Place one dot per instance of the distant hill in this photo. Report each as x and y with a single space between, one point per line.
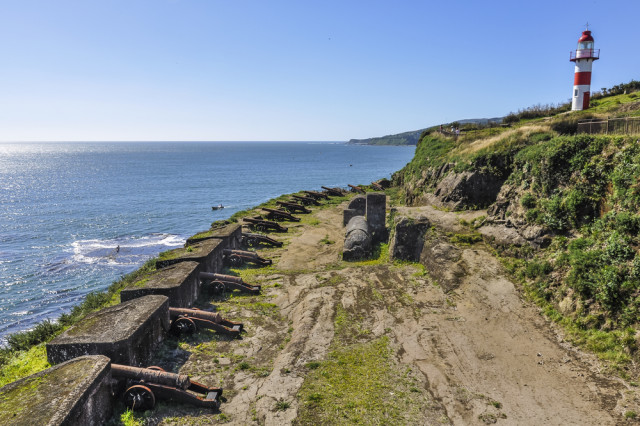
412 137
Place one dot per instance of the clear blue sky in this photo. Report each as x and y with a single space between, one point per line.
291 70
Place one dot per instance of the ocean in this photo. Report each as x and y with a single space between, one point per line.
66 207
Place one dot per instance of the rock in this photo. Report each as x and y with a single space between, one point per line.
444 264
357 241
468 190
408 238
502 235
376 215
359 204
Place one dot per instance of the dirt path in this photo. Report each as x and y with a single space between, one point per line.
477 354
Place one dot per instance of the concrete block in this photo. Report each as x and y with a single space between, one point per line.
359 204
376 215
127 333
179 282
231 235
77 392
208 253
347 214
408 238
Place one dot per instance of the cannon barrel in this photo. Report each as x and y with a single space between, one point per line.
316 195
219 277
241 253
195 313
181 381
356 188
333 191
281 213
306 200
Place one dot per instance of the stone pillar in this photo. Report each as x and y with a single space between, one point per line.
376 215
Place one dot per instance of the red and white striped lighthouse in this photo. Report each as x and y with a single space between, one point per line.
584 56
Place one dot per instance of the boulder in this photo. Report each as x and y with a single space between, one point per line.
408 238
357 241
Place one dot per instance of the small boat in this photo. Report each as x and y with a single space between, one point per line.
218 207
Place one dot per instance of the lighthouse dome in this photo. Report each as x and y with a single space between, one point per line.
586 36
585 45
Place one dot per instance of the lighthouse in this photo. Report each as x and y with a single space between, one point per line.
584 56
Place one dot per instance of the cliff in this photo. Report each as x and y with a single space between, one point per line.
562 210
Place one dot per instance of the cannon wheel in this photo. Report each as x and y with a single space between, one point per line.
183 325
251 242
139 398
218 286
235 260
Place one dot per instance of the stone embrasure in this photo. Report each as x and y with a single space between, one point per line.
77 392
207 252
179 282
127 333
231 234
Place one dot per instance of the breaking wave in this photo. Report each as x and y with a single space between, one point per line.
123 251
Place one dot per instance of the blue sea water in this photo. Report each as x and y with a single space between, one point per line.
65 207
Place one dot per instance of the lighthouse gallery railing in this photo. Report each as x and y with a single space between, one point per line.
584 54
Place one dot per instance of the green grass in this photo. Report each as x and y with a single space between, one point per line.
24 363
357 384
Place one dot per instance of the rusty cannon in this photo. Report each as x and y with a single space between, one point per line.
240 257
333 191
316 195
221 283
293 207
355 188
145 385
254 240
260 224
187 321
377 186
275 214
306 200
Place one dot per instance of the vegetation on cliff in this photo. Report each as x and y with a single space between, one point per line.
579 194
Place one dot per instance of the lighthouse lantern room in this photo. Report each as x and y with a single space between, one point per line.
584 56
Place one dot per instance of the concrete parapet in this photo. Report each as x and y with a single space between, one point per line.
359 204
179 282
77 392
127 333
207 252
376 215
231 235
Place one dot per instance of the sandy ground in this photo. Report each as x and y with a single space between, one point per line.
482 354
